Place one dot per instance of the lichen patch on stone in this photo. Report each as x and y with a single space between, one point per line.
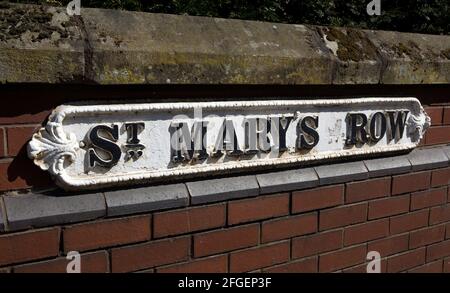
34 25
352 45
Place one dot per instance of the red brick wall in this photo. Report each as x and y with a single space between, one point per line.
410 228
405 217
16 170
439 133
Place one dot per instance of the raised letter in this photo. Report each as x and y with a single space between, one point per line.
355 131
105 144
377 126
308 126
397 123
281 127
185 146
133 131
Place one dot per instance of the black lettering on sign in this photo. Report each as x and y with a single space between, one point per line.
397 122
283 125
251 136
356 132
227 140
133 132
134 148
308 135
186 143
377 126
106 144
263 134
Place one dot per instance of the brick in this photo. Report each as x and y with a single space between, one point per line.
18 137
410 182
342 216
440 177
289 227
317 243
222 189
2 142
429 268
339 173
8 182
447 265
259 208
106 233
342 258
21 173
438 135
287 180
436 114
365 232
20 247
189 220
422 159
428 198
146 199
438 250
389 246
440 214
147 255
426 236
368 189
446 118
408 222
259 257
213 264
38 210
308 265
317 198
28 118
405 261
388 166
95 262
388 207
226 240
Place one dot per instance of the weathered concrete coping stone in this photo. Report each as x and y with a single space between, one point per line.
287 180
338 173
222 189
422 159
121 47
37 210
388 166
146 199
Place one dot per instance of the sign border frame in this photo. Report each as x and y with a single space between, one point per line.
52 149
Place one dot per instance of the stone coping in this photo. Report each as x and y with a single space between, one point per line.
120 47
19 212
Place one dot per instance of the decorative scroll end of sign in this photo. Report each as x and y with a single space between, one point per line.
418 123
51 148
